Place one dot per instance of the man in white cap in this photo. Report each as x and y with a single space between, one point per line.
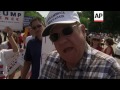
73 57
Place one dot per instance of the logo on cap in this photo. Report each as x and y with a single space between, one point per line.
55 16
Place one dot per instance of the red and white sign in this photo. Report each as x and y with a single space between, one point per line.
9 61
13 19
98 16
20 59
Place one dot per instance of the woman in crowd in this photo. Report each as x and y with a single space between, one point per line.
96 42
109 50
8 55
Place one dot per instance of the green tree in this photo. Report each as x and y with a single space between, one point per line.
111 21
33 14
110 24
84 18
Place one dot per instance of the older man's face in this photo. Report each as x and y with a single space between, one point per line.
70 46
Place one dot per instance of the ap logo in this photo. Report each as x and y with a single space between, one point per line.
98 16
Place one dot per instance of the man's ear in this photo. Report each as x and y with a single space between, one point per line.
82 26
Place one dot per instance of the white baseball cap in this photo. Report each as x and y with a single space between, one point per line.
59 17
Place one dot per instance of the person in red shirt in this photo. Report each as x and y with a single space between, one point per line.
20 39
96 42
109 50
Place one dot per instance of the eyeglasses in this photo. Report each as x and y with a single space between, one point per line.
66 31
35 27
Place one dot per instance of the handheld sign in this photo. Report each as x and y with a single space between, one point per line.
13 19
9 60
27 20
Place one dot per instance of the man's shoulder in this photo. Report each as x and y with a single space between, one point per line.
103 55
51 67
29 37
53 57
31 41
103 58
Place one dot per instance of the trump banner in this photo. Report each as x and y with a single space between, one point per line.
13 19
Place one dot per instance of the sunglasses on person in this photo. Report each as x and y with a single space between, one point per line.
66 31
35 27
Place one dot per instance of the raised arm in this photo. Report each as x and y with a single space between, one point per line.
11 39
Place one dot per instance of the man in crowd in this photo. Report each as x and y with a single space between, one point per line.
33 50
74 58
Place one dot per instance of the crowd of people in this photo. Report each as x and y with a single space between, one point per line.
101 42
78 55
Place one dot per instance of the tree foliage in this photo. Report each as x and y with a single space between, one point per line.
33 14
110 24
84 18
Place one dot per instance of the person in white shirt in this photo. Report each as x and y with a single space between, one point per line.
6 44
8 57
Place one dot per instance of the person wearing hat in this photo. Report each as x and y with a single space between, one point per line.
109 42
96 42
73 57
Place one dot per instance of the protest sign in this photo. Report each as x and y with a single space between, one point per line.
9 61
27 20
13 19
20 59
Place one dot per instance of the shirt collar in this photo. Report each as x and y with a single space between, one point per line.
37 39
